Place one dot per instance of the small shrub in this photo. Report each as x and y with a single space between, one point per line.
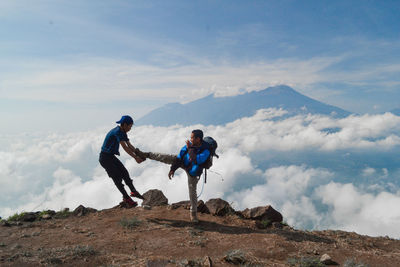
48 212
54 260
266 223
65 213
235 257
353 263
82 251
284 223
2 245
191 263
305 262
16 217
195 232
130 223
27 254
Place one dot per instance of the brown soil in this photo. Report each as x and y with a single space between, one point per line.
164 237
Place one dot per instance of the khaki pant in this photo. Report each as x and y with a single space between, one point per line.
192 180
164 158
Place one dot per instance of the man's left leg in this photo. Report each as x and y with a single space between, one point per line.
127 179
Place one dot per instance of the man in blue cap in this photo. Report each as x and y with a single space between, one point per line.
113 166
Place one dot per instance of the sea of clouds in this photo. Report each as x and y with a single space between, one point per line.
319 172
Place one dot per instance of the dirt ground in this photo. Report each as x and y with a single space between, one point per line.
165 237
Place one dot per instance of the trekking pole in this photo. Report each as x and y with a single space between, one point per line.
222 178
202 188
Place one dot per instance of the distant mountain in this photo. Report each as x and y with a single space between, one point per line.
212 110
396 111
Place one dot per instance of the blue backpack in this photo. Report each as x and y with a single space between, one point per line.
211 145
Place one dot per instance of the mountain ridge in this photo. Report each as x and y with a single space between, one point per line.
164 236
211 110
395 111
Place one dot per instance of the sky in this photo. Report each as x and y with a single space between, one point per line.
71 65
70 69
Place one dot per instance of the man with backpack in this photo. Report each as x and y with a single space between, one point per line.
193 157
113 166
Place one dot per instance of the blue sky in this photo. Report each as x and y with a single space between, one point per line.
66 63
70 69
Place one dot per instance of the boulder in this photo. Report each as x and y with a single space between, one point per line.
266 213
219 207
201 207
123 205
29 217
5 223
46 216
207 262
184 204
327 260
236 257
82 211
153 198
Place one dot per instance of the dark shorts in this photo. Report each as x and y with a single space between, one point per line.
113 166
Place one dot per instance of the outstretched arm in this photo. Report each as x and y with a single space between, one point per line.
130 149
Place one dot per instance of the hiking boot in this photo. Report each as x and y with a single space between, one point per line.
130 202
137 195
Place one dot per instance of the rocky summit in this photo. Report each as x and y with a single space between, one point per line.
158 234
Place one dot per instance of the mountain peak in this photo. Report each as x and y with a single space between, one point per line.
212 110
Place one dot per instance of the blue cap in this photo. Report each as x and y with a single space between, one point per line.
125 119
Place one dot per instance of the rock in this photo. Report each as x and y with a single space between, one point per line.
123 205
236 257
219 207
146 207
5 223
29 217
51 213
185 204
153 198
327 260
277 225
263 224
82 211
157 263
15 223
201 207
266 213
46 216
207 262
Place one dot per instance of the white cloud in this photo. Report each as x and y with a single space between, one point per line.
369 171
354 210
287 188
61 170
